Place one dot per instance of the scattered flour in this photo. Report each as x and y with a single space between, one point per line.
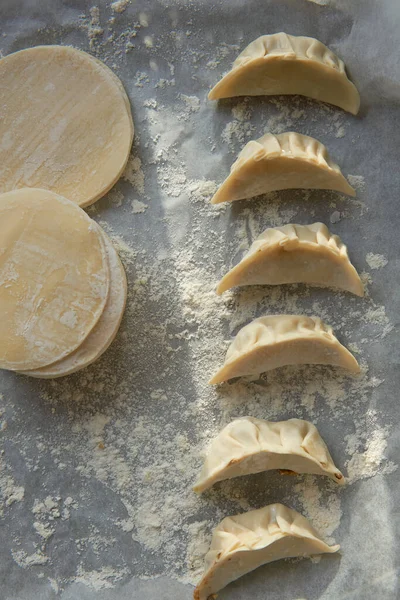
104 578
357 181
240 129
104 41
322 508
198 546
143 19
10 492
202 190
335 217
367 446
116 197
282 116
24 560
341 132
134 173
320 2
94 29
192 103
138 207
120 6
131 429
376 261
378 316
44 530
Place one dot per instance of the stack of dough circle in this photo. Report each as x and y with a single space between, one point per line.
106 329
62 285
54 278
65 123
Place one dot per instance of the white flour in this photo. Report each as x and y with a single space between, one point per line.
134 174
106 577
130 431
24 560
120 6
138 207
376 261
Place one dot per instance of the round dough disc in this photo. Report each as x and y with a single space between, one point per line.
65 123
54 278
104 332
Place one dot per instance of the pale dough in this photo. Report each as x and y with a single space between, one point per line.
278 340
288 64
248 445
106 329
54 278
295 254
65 123
280 162
245 542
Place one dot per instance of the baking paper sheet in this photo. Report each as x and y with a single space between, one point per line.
96 468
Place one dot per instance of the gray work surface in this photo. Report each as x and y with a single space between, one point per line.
96 468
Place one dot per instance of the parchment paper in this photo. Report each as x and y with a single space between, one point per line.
146 402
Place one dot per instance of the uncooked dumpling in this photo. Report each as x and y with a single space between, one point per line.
278 340
54 278
244 542
249 445
65 123
295 254
287 64
279 162
106 328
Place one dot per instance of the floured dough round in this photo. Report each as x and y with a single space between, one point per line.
54 278
104 332
65 123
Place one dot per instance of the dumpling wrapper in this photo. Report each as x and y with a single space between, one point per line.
66 123
278 340
281 64
244 542
280 162
248 445
55 278
105 329
295 254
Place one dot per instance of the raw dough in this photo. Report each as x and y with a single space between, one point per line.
281 162
278 340
54 278
244 542
286 64
249 445
106 328
295 254
65 123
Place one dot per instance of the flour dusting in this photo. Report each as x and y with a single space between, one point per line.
376 261
138 207
119 6
101 463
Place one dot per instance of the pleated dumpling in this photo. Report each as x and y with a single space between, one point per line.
280 162
278 340
244 542
248 445
287 64
295 254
